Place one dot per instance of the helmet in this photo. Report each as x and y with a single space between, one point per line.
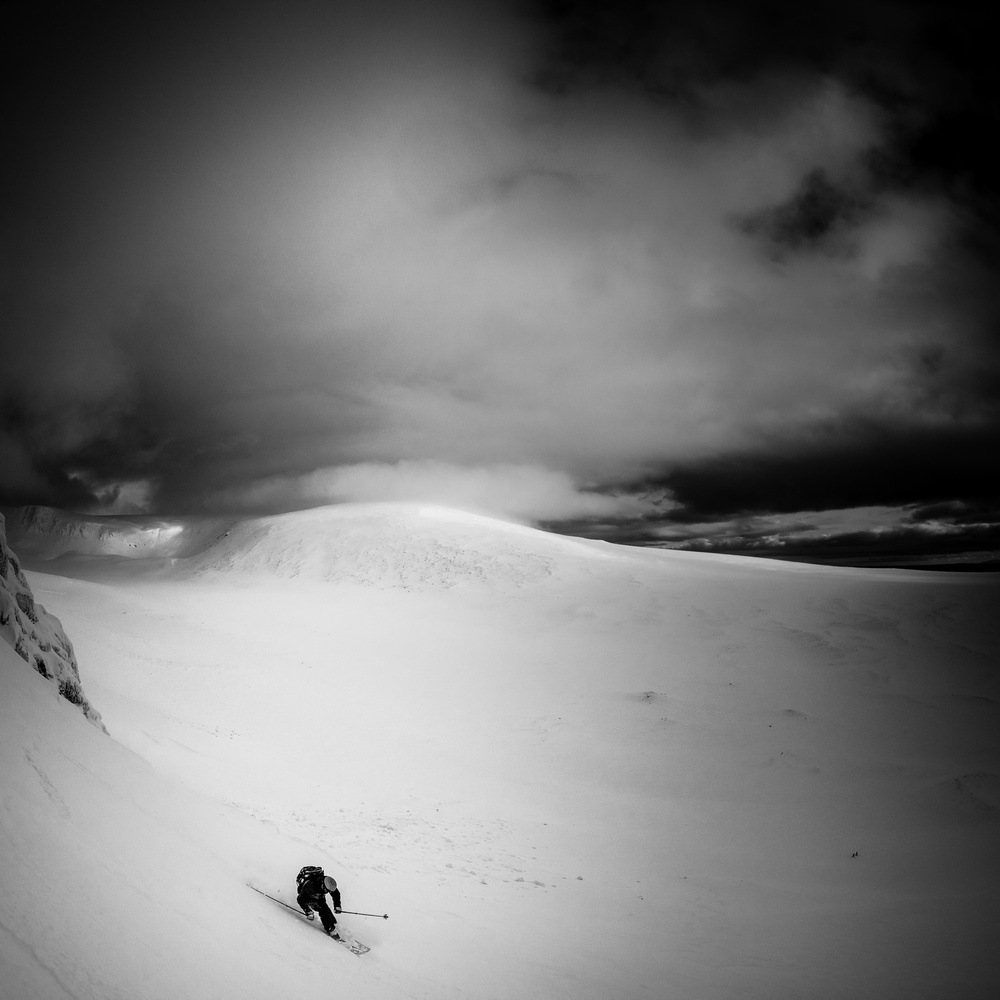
330 883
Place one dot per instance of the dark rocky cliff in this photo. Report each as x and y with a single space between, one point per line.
36 636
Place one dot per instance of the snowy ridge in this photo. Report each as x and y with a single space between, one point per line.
397 545
47 533
36 636
383 545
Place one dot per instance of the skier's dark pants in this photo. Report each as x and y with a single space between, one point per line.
319 904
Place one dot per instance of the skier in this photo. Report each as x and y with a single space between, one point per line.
313 887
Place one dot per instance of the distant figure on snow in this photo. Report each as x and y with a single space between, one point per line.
313 887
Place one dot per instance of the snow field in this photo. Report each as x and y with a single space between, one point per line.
631 774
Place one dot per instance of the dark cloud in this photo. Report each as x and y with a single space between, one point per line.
928 66
865 536
975 548
635 260
811 219
862 469
959 512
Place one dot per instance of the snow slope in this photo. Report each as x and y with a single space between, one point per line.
116 883
565 769
46 533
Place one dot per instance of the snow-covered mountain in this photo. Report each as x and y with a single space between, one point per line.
422 547
37 636
46 533
564 768
376 544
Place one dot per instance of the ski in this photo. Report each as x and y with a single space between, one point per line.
353 946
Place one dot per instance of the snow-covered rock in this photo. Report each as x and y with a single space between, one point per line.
35 635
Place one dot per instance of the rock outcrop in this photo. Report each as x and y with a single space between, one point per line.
36 636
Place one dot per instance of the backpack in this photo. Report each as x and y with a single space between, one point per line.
308 874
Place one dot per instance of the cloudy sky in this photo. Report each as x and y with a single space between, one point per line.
703 274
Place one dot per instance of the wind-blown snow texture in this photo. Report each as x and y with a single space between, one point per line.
389 546
35 635
565 769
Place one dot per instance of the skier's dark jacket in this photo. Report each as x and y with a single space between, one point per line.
313 890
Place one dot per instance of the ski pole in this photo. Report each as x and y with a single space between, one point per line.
261 891
384 916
